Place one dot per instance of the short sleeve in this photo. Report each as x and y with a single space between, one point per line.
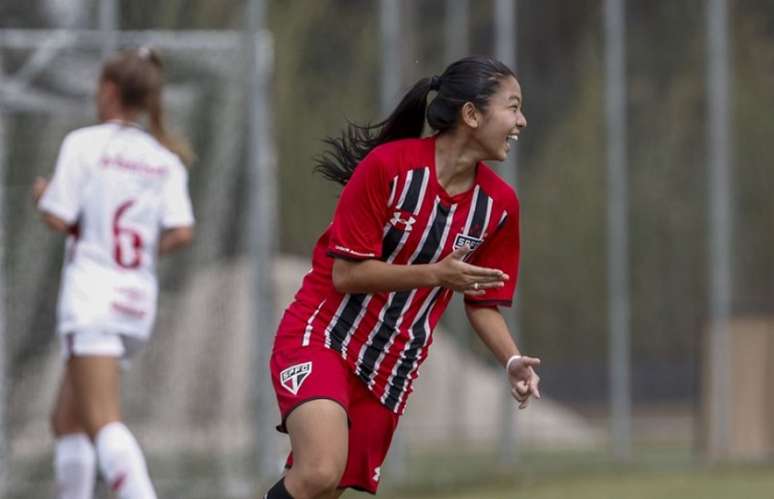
358 223
62 197
177 209
502 251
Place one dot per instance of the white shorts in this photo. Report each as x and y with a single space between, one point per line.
99 344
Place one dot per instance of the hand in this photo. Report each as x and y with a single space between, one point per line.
453 273
524 380
39 186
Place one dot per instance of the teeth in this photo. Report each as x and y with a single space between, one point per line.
513 137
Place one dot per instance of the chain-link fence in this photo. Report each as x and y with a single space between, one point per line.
191 397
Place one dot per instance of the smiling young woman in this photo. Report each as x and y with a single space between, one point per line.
418 219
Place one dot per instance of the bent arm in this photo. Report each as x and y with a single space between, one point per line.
55 223
174 239
375 276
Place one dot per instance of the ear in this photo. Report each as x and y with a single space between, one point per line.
470 115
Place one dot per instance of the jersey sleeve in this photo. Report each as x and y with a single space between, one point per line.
358 223
176 206
502 252
62 197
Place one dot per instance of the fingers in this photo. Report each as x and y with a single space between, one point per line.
522 399
459 253
524 388
533 386
485 274
479 288
525 361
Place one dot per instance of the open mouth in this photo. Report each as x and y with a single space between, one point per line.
513 138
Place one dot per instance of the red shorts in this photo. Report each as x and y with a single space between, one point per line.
308 373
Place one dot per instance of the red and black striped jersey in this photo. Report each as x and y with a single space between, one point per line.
394 209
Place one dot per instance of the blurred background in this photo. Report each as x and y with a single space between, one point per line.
647 279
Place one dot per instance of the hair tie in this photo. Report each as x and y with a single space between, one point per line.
435 83
144 53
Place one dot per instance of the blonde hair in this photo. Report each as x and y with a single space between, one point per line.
139 76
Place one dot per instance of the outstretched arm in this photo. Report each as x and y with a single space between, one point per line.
490 326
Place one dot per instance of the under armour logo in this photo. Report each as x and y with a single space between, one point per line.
402 223
294 376
377 474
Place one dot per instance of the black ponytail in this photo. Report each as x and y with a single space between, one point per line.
472 79
356 141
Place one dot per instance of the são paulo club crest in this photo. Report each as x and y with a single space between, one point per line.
293 377
464 240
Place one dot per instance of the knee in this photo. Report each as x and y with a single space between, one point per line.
320 478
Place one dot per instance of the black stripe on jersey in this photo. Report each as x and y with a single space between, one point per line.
420 334
480 214
339 330
411 200
373 351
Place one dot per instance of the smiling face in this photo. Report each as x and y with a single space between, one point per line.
500 124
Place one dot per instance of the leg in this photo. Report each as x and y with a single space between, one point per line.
75 459
97 391
319 437
96 383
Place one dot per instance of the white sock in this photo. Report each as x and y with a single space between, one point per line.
122 463
75 466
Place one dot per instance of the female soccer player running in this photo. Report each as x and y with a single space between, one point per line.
418 219
120 193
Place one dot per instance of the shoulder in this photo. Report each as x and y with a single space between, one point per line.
497 188
87 137
401 146
402 154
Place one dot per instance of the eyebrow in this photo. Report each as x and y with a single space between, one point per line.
516 98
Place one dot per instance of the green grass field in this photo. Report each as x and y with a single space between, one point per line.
719 484
654 473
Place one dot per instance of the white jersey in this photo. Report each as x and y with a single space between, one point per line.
118 188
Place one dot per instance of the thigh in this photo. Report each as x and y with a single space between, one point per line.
318 431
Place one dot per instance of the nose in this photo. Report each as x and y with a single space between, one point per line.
521 121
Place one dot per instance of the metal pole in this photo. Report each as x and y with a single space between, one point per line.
108 23
618 236
389 22
506 32
262 226
456 47
4 458
456 30
720 222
